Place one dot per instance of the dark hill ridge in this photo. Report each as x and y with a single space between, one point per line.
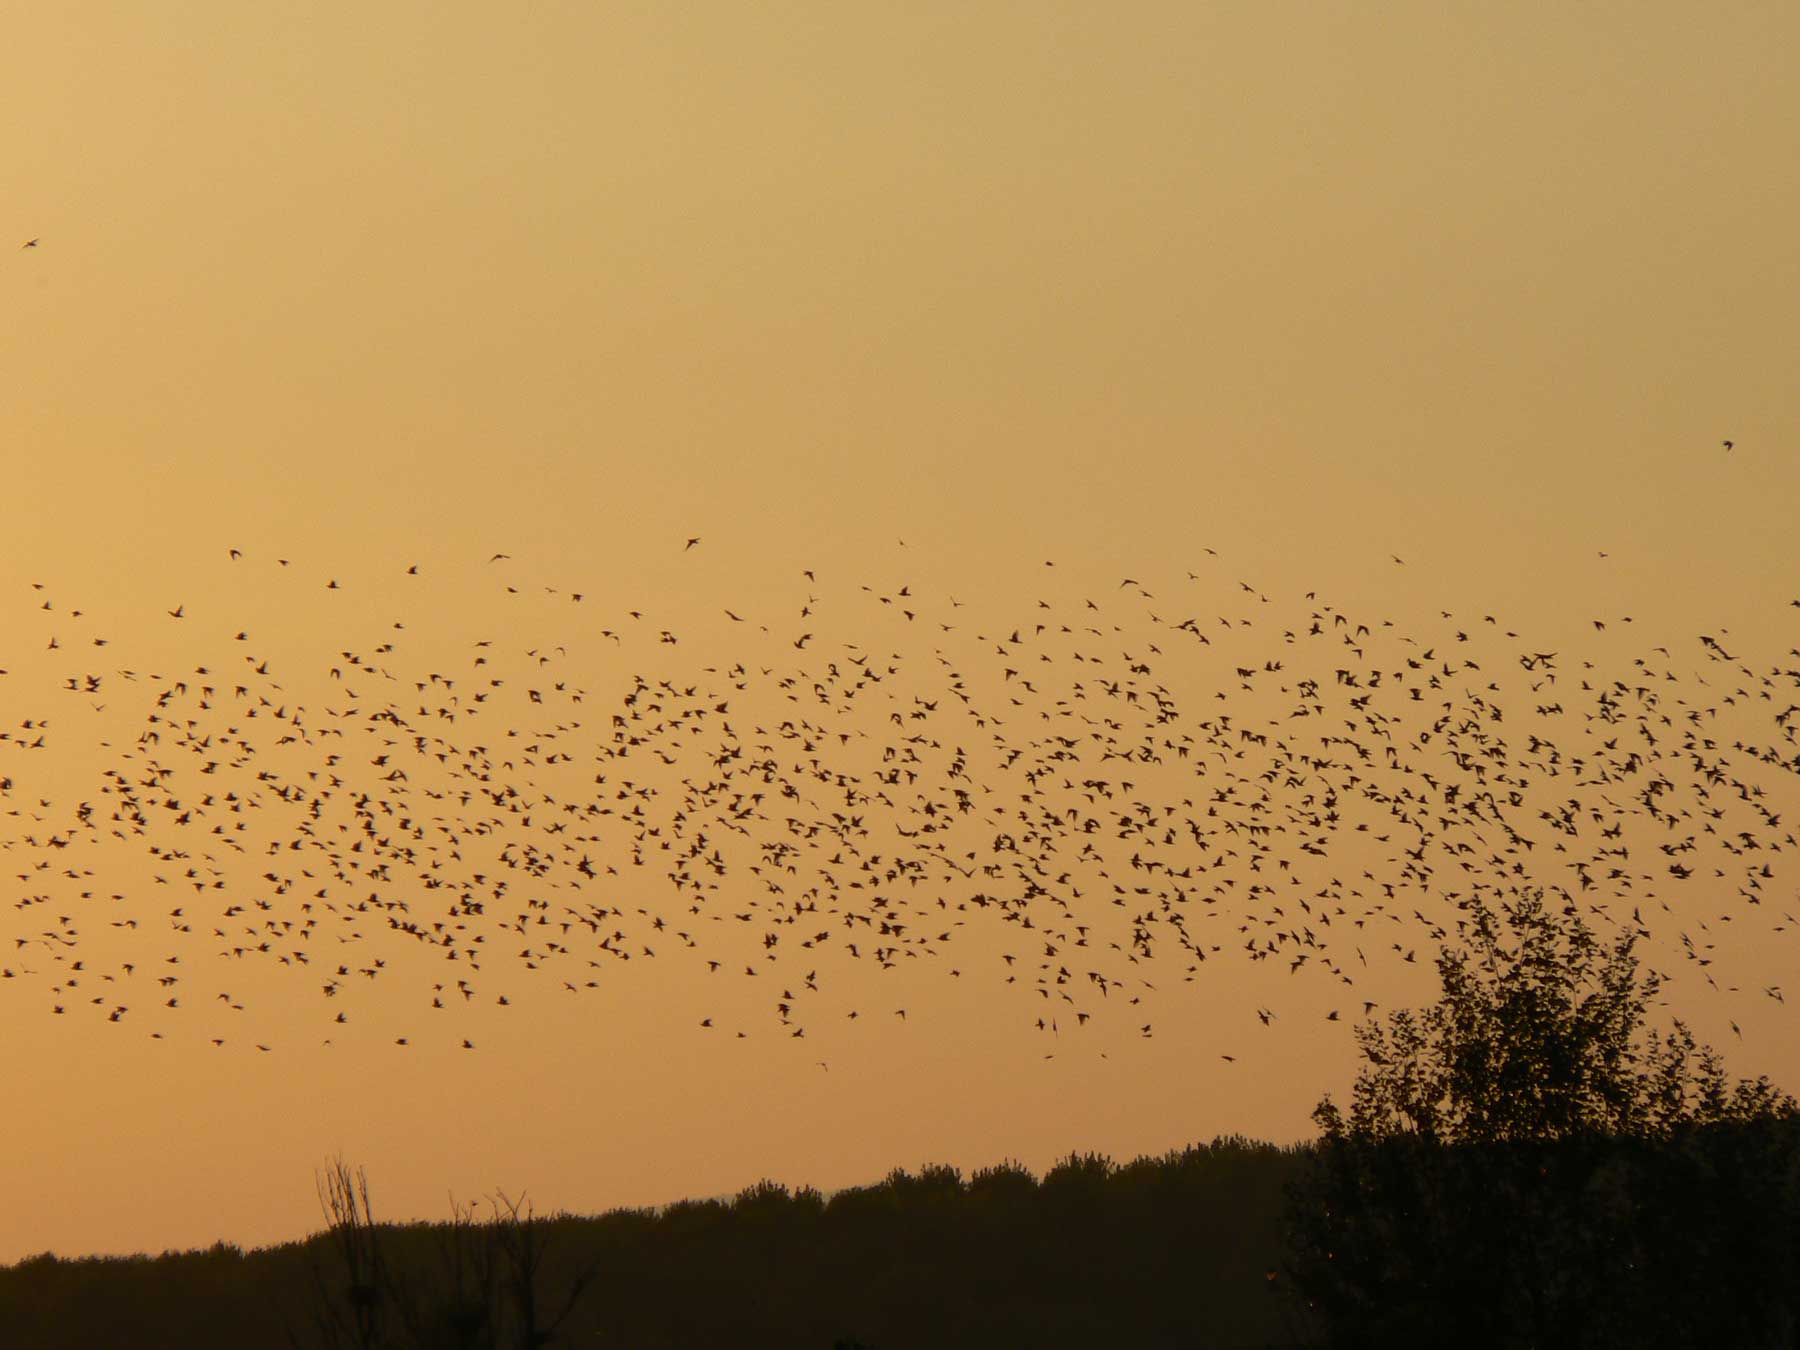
1165 1251
1400 1241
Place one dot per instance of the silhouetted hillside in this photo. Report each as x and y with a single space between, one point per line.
1170 1251
1404 1239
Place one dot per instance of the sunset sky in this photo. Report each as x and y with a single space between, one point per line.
1416 307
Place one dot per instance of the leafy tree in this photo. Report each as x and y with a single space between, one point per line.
1524 1164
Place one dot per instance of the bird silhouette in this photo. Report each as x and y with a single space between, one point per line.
1065 786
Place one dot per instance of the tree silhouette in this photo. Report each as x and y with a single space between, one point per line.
521 1242
354 1309
1163 1252
458 1311
1525 1164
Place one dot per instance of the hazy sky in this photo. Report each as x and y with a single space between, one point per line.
1313 286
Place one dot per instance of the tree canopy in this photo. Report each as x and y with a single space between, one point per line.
1527 1162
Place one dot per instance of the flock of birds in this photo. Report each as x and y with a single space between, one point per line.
1089 802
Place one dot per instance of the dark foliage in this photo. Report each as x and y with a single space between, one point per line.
1523 1165
1169 1251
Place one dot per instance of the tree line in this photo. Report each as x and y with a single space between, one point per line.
1526 1163
1171 1250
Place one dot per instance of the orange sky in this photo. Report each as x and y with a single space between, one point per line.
1310 286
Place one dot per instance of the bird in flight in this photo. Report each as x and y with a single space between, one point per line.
690 543
1727 445
29 243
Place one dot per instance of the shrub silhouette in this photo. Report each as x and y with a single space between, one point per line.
1523 1163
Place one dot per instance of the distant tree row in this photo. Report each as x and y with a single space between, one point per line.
1178 1250
1524 1165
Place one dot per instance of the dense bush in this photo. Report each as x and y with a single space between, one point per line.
1524 1165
